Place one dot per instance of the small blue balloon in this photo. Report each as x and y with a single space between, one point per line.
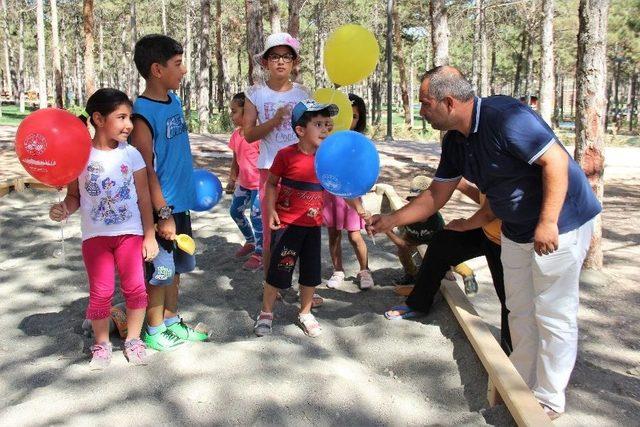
347 164
208 190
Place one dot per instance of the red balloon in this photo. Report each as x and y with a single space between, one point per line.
53 145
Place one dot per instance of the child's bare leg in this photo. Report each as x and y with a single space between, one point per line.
269 296
306 298
360 248
100 329
155 308
335 248
135 318
171 298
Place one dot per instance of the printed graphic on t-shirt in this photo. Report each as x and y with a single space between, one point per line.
307 202
283 132
109 208
176 125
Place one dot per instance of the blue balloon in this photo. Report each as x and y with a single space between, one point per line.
208 190
347 164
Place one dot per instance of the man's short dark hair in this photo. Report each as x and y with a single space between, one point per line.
152 49
307 116
448 81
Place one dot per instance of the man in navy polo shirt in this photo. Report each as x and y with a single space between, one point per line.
546 206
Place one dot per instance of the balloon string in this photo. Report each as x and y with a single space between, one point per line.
62 231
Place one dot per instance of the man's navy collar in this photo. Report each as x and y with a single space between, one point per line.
475 115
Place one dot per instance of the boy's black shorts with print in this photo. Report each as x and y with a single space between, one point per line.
287 245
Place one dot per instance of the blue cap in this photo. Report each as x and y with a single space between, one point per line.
311 105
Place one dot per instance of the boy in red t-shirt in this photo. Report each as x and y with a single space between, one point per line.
294 213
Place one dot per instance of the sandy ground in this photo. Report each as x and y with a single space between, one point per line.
364 369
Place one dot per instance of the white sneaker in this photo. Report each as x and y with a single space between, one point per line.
366 281
336 279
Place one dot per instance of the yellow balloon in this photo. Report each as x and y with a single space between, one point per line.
345 113
351 53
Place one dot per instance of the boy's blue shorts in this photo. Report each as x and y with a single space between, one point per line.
171 260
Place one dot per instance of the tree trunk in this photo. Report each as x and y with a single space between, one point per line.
484 55
274 16
439 32
547 76
20 76
608 92
399 60
519 64
561 99
529 81
203 72
590 135
188 46
6 48
492 74
220 85
293 27
163 8
126 60
475 60
318 47
255 44
42 72
616 98
78 70
55 47
101 79
631 101
133 73
89 68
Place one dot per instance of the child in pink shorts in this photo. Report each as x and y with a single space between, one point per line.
338 215
117 223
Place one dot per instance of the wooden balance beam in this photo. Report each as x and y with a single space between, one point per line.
505 383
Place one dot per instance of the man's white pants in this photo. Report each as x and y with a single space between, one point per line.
542 297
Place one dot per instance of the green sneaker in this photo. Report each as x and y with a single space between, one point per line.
163 340
186 332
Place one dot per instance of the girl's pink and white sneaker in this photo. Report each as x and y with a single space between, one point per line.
245 250
366 281
254 263
336 279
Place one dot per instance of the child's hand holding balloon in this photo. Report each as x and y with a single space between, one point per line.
59 212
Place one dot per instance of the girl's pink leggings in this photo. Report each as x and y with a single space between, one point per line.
102 255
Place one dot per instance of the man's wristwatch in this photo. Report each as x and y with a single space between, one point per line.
164 212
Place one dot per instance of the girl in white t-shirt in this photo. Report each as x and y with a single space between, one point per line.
267 110
116 219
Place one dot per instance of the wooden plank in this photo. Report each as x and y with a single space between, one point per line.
504 380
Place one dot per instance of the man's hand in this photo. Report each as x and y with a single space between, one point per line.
381 224
460 224
545 239
167 228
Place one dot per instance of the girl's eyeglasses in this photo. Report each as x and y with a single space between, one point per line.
274 57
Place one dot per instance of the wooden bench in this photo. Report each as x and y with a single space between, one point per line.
20 184
505 383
